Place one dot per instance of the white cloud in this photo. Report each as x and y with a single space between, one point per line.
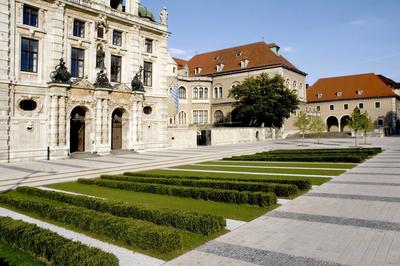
180 53
288 49
359 22
366 21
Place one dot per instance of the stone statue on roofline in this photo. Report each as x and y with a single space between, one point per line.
164 16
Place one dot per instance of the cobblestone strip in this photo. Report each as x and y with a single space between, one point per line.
372 224
260 256
351 196
365 183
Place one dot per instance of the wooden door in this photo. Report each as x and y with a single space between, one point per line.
116 134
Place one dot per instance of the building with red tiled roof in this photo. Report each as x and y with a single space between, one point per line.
335 98
206 79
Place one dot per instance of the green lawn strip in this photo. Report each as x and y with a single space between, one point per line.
227 210
281 190
189 240
262 199
14 257
314 180
281 164
262 170
191 221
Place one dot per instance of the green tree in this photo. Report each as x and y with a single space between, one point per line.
317 126
263 100
356 123
302 122
367 125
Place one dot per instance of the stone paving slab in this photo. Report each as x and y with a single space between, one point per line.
352 220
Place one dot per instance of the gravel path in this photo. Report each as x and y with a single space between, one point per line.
126 257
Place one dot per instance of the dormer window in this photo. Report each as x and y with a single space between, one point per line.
244 63
216 58
239 53
360 92
338 93
220 67
319 95
197 71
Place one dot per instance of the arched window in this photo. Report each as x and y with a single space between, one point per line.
288 83
195 93
182 118
220 92
218 117
215 93
294 85
182 93
205 93
201 93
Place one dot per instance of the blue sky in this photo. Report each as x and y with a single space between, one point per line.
322 38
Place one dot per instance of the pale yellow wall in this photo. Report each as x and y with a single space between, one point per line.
387 105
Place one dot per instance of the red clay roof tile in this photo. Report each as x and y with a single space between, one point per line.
370 84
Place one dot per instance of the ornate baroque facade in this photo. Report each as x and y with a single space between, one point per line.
104 44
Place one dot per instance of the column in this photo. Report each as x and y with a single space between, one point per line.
98 124
53 121
61 122
104 124
140 122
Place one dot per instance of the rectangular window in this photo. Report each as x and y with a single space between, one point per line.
346 106
79 28
332 107
377 105
195 118
30 16
148 74
148 44
100 32
318 108
117 38
361 105
29 55
380 122
77 62
116 68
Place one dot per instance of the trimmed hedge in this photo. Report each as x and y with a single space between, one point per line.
14 257
368 151
198 223
300 158
302 184
351 155
279 189
230 196
44 244
132 232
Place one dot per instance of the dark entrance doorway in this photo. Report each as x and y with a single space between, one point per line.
77 132
116 132
204 138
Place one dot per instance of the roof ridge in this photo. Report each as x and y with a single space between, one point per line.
230 48
347 76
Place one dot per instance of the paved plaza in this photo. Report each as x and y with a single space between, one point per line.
352 220
37 173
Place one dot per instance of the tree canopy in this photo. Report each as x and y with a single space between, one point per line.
263 100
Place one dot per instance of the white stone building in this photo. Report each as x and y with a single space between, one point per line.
41 119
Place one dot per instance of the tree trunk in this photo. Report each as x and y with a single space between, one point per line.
365 137
355 138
